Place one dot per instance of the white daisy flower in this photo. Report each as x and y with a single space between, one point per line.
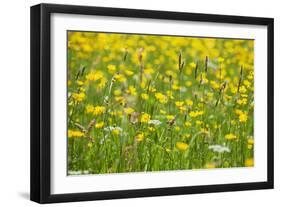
219 148
154 122
111 128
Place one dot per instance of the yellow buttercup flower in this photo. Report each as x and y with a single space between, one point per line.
242 89
249 162
238 111
111 68
179 103
148 71
230 136
129 72
210 165
234 90
145 118
143 84
102 83
170 94
120 100
198 122
152 129
99 125
144 96
250 77
152 89
215 85
94 75
175 87
140 137
194 114
187 124
177 128
204 130
132 91
128 111
242 101
250 141
98 110
161 98
75 134
182 146
115 132
119 77
170 117
247 83
80 83
117 92
192 64
243 117
89 108
189 102
79 96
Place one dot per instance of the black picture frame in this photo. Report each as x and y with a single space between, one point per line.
41 97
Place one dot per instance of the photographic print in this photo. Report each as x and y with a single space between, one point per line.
130 103
143 102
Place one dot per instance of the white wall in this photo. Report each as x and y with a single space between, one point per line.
14 101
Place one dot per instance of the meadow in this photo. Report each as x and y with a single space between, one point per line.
139 103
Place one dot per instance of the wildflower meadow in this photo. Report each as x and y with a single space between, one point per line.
139 102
